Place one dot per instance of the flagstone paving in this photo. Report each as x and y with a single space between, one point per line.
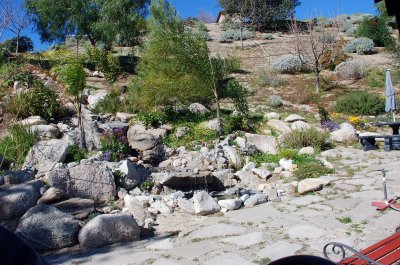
340 212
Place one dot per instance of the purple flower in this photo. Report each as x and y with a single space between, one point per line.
107 155
329 125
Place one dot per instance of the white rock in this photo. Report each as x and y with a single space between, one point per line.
263 143
285 164
233 156
279 126
300 125
249 166
244 197
311 184
162 207
255 200
272 116
124 117
34 120
309 150
294 117
204 204
46 131
198 108
261 173
93 100
345 133
231 204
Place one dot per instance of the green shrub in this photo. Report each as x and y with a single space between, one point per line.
111 103
196 135
376 29
11 72
16 144
37 101
75 153
360 103
232 64
297 139
274 101
292 154
201 26
105 62
152 119
311 170
25 44
376 77
360 45
238 94
269 79
268 37
288 63
233 123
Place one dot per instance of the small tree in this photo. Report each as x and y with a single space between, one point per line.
19 21
74 77
19 44
6 13
312 45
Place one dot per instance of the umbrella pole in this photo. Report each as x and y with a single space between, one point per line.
394 118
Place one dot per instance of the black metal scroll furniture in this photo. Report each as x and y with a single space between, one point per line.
369 142
385 252
392 142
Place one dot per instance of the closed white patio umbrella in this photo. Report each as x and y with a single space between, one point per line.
390 105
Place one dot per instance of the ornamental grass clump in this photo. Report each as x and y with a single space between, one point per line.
300 138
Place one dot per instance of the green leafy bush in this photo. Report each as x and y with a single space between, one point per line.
11 72
360 103
311 170
16 144
75 153
232 64
111 103
229 24
376 29
25 44
37 101
105 62
360 45
288 63
274 101
297 139
196 135
152 119
238 94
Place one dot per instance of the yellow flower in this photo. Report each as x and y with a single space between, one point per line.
355 121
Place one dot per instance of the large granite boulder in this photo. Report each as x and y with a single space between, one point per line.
109 229
345 133
134 174
279 126
46 228
16 200
45 155
136 208
77 207
46 131
263 143
311 184
204 204
91 181
197 108
143 139
234 158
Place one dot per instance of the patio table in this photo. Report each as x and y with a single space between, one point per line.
395 129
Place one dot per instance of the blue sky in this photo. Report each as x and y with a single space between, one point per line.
308 8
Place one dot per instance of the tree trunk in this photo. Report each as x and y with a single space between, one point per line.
17 47
241 35
82 142
219 118
317 79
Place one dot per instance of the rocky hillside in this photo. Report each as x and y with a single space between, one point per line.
288 175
